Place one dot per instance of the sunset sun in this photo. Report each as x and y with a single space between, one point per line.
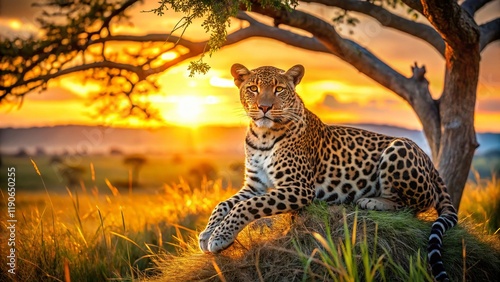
189 110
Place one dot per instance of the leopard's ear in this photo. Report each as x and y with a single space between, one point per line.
240 73
296 73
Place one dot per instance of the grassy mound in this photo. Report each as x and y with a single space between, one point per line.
324 243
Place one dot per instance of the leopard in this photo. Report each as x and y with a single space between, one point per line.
292 158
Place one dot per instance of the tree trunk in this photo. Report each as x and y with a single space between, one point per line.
456 105
458 137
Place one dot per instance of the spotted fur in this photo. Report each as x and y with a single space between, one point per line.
293 158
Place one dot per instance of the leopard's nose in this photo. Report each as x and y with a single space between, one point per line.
265 109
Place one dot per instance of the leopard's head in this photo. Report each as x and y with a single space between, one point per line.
268 94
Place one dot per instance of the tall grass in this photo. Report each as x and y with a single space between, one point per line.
358 256
340 258
101 233
481 202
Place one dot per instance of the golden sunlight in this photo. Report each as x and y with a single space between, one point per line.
15 24
77 86
187 110
221 82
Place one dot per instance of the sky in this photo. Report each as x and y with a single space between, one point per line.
333 89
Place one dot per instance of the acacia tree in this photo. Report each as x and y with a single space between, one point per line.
135 164
83 44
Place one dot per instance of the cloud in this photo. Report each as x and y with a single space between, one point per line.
333 110
19 19
17 9
332 103
221 82
488 105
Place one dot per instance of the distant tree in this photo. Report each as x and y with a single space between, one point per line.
177 159
202 170
78 38
71 175
21 153
40 151
56 160
113 151
135 164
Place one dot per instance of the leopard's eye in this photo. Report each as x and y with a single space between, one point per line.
253 88
278 89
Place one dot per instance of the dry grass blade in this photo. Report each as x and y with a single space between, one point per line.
219 272
67 273
112 188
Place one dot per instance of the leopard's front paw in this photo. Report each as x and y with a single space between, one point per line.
220 241
203 239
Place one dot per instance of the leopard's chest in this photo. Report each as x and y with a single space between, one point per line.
266 152
261 162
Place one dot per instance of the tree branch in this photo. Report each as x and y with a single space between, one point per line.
153 37
259 29
415 5
472 6
458 29
347 50
117 12
388 19
490 32
256 29
414 90
78 68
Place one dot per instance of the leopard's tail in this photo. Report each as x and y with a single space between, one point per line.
446 220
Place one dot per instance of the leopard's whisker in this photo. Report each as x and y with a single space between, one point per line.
295 117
